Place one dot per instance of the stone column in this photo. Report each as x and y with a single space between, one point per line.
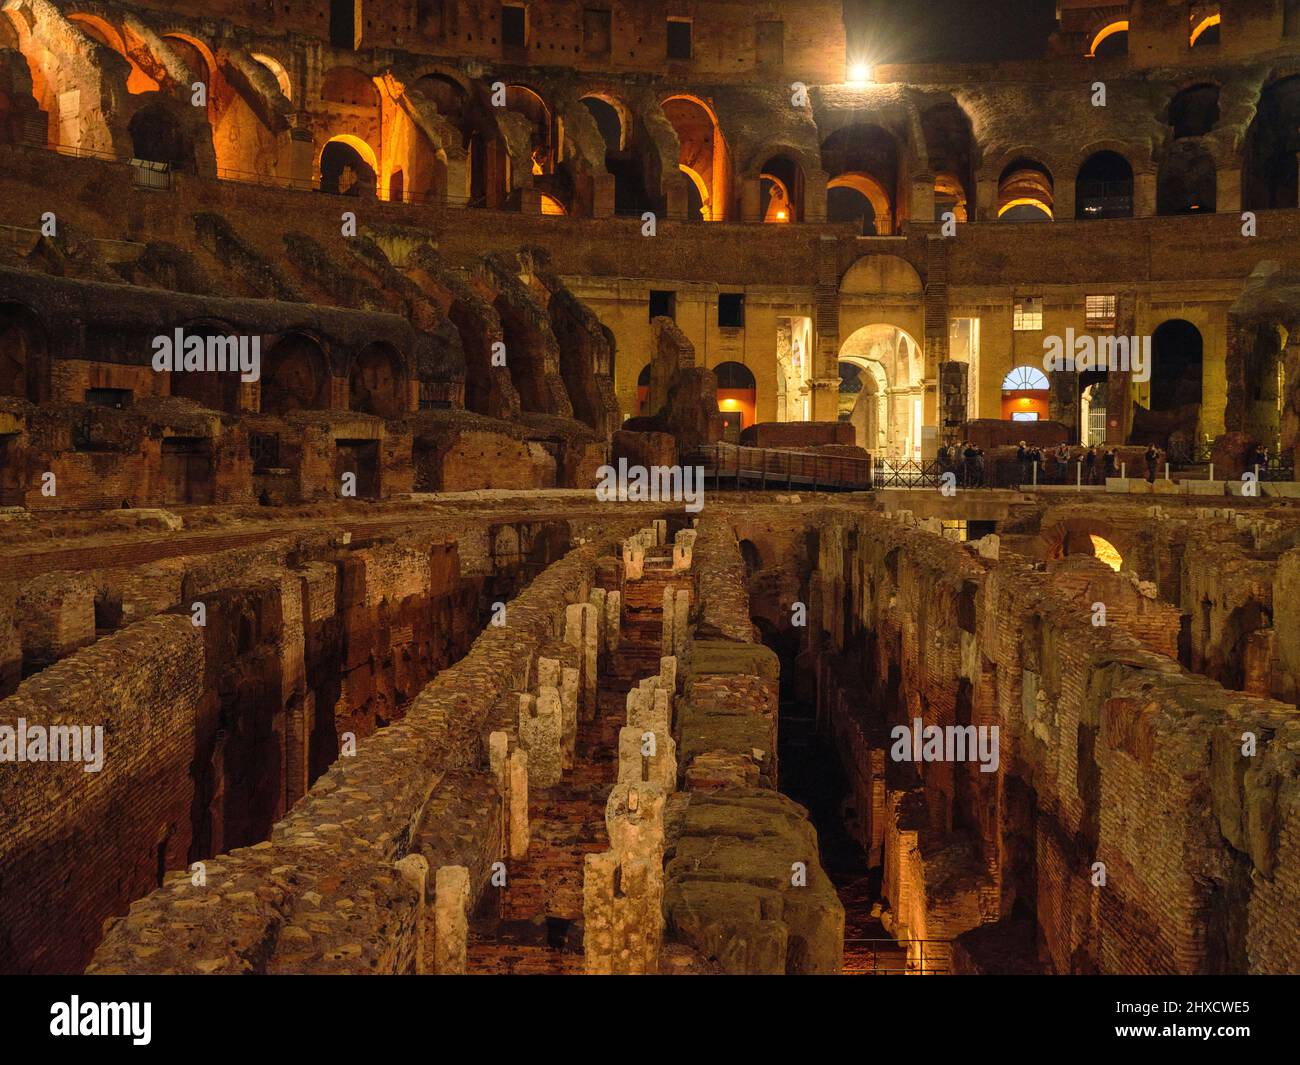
1144 194
580 632
660 529
635 766
668 673
451 920
517 789
613 620
681 622
569 683
633 560
666 640
540 728
814 196
751 200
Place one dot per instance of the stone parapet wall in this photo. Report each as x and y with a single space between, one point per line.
418 788
745 886
1109 753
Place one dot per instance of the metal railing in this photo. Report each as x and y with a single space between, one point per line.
907 474
893 957
776 469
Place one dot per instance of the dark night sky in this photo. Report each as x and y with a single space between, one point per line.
915 31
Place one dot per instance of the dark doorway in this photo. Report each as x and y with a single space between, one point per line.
359 457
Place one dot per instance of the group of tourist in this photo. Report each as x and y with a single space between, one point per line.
1039 465
966 460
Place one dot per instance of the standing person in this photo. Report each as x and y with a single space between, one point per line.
1063 462
1153 457
968 465
1022 459
1110 463
979 466
1090 464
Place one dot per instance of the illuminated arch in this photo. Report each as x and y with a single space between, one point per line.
949 187
356 144
1206 23
1104 551
703 188
199 46
1025 379
704 154
552 206
875 193
277 70
1120 26
105 33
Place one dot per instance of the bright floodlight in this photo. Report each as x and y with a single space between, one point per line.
859 73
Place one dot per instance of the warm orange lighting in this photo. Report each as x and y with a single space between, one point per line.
1106 31
728 404
1206 23
1025 201
781 216
552 206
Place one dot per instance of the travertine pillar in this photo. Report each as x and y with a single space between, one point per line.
668 673
569 716
517 786
681 622
499 760
613 620
666 641
660 527
451 920
634 766
681 558
596 597
540 728
633 560
580 632
624 928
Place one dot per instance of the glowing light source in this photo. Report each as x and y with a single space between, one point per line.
859 73
1211 20
781 216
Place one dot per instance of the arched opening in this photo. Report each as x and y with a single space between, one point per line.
643 391
1263 375
1025 392
277 71
157 137
377 384
295 376
1269 172
781 192
1111 41
885 398
528 102
862 161
1104 187
703 157
861 200
1186 183
98 29
949 145
632 168
737 398
24 355
196 56
753 558
1194 111
1177 354
864 401
1205 33
1104 551
348 167
949 197
1092 407
1025 192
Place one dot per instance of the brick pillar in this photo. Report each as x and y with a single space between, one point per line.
814 196
1227 190
451 919
751 200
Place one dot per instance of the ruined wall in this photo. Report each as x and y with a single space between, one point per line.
420 789
745 884
1109 753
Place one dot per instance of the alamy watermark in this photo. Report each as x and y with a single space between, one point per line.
191 354
948 743
654 484
53 743
1083 353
